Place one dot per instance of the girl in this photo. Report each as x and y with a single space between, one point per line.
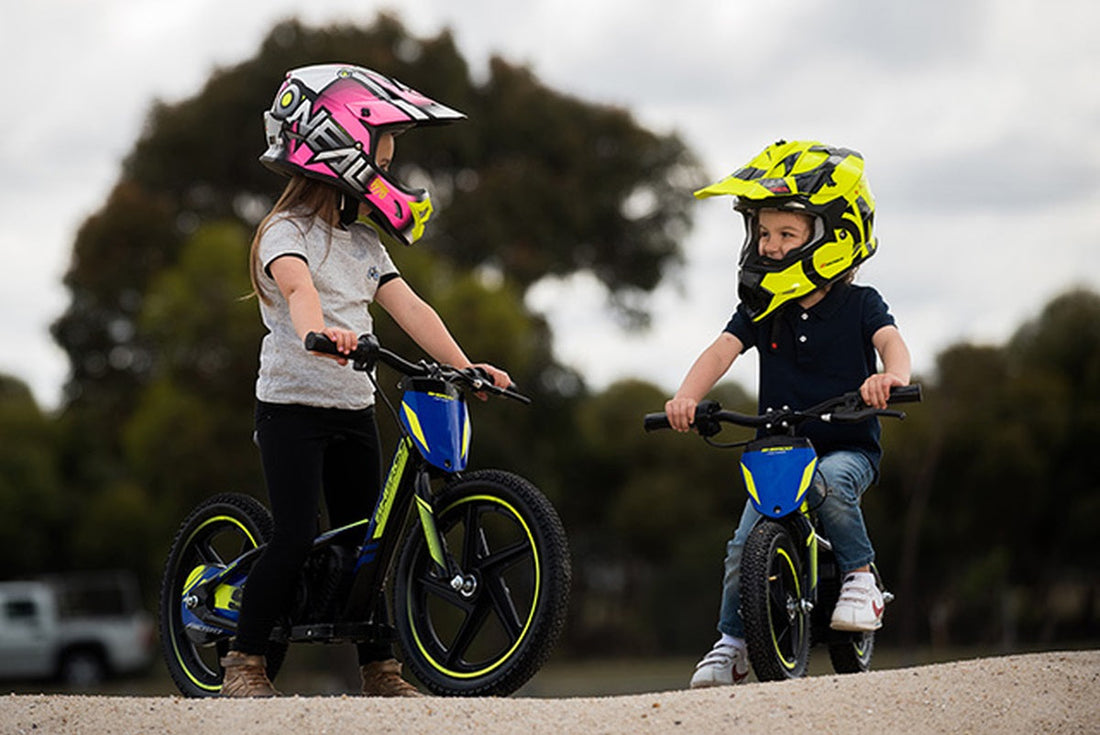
316 267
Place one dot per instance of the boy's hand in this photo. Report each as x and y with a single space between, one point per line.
875 391
680 412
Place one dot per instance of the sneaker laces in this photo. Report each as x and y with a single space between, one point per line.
254 677
383 679
246 675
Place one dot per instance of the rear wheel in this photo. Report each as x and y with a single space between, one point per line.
852 653
218 531
491 631
777 622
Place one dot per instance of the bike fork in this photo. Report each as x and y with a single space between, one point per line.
445 565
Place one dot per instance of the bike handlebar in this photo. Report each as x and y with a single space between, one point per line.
368 352
847 408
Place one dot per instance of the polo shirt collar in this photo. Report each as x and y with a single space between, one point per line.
832 302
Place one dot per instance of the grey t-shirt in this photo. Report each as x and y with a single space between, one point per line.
347 267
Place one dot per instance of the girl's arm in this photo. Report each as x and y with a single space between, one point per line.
421 322
896 367
292 276
709 367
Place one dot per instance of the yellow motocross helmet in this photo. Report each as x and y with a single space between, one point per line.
811 178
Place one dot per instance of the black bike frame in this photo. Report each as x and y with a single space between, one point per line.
408 479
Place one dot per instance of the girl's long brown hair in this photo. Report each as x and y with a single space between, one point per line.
309 199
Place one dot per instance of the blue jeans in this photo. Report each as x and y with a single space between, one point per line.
846 475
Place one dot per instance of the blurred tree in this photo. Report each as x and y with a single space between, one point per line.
32 506
191 431
993 484
656 515
1056 387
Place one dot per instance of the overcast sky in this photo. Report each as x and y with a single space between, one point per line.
979 121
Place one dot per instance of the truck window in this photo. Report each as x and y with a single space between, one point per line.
21 611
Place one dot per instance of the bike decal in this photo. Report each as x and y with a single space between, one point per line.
431 534
320 540
465 438
197 575
414 426
530 615
811 552
227 599
807 479
389 491
750 485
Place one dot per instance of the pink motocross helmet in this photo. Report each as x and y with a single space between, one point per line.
325 123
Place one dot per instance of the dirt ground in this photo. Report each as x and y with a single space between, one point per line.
1034 693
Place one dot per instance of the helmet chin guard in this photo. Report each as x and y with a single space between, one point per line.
325 123
809 178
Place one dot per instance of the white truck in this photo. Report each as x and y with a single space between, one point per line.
78 629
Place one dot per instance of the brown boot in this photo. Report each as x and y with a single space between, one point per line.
383 679
246 676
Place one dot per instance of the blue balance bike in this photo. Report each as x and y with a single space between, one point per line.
789 576
478 561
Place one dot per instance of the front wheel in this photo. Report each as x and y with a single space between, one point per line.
218 531
492 631
777 620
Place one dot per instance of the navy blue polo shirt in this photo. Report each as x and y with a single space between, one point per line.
810 355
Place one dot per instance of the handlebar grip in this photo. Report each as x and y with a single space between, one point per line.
365 354
905 394
317 342
655 421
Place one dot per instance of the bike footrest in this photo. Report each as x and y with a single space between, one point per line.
337 633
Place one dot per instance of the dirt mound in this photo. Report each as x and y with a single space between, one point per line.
1035 693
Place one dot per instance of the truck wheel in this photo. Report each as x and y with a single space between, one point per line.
82 668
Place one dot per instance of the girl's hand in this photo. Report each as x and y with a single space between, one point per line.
875 391
499 377
680 412
345 341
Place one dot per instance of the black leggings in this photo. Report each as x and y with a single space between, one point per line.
306 450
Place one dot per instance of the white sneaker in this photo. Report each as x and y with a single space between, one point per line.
725 664
860 604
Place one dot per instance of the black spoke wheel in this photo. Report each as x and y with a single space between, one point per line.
777 623
215 533
850 653
489 631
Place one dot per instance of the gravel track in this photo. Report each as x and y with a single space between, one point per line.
1033 693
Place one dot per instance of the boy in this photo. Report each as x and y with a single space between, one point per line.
808 214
